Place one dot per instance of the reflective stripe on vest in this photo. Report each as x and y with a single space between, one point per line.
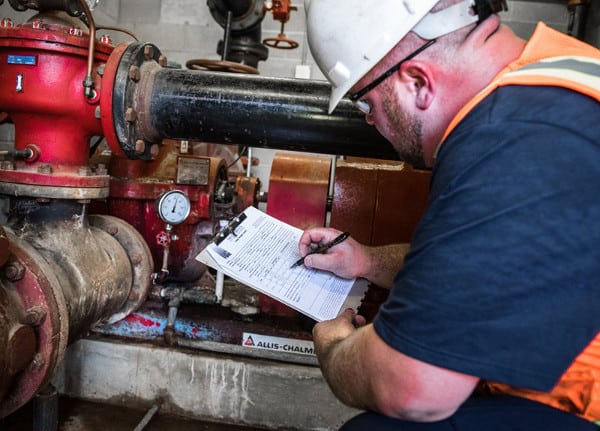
581 74
578 73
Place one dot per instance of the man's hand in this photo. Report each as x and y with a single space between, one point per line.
346 260
350 259
329 332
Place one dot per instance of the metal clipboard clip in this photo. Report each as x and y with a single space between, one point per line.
229 229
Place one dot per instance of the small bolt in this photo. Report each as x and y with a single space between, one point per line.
140 147
75 31
154 150
7 165
34 316
134 73
37 24
130 115
44 169
100 70
37 363
162 60
14 271
101 169
6 23
97 113
148 52
84 171
105 38
136 259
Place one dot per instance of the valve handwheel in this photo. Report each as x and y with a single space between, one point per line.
281 10
163 238
280 42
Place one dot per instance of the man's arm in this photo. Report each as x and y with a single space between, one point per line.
351 259
366 373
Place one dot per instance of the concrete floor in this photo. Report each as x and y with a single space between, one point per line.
78 415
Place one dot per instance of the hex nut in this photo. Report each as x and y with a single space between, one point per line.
34 316
148 52
154 150
130 115
134 73
140 146
14 271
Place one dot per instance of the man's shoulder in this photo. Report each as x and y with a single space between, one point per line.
544 116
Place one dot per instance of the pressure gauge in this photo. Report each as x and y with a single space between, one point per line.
173 207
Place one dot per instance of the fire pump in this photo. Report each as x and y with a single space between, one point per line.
103 237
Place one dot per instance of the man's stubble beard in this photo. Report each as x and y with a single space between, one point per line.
406 132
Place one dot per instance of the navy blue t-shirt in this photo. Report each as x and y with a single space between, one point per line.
503 277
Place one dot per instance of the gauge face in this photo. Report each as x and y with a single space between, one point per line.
173 207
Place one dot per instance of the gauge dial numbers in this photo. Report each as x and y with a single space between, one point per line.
173 207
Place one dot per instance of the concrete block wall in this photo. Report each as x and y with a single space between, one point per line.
184 30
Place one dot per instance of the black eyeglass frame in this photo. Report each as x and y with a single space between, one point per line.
354 97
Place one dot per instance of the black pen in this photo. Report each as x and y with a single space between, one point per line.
340 238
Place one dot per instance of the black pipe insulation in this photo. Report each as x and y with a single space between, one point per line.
230 108
255 111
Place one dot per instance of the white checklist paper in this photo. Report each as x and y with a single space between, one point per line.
259 251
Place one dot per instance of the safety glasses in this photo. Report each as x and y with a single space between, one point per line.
358 97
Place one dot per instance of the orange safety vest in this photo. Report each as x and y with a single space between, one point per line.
551 58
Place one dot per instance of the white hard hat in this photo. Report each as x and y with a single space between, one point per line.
347 38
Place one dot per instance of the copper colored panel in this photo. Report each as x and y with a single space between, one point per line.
401 201
298 188
379 203
354 199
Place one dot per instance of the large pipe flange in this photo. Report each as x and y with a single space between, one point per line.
125 94
140 258
33 308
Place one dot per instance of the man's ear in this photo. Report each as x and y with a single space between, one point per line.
420 81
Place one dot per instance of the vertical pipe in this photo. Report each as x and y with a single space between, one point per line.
219 286
45 410
227 38
249 164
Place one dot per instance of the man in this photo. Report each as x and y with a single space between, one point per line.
499 293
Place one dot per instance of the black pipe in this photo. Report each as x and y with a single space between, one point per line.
241 21
239 8
255 111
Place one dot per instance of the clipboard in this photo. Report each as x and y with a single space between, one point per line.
258 250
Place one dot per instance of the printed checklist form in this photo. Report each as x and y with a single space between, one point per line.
259 250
